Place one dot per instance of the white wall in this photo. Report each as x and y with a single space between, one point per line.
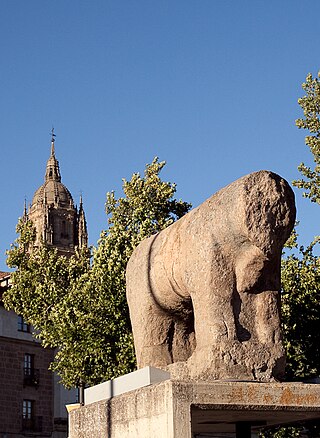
9 326
62 397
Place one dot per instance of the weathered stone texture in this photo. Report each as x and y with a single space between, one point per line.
176 409
204 293
135 414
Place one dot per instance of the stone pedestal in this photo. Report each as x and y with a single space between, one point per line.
177 409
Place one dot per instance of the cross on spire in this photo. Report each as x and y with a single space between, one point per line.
53 135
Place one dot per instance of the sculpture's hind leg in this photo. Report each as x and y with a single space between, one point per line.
160 338
152 340
151 325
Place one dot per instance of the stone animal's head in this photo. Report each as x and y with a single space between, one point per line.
269 212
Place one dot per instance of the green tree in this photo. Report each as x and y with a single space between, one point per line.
82 310
300 273
301 312
310 104
45 290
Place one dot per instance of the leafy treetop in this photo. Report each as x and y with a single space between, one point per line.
310 103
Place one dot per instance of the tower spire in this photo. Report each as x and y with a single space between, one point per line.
82 226
52 169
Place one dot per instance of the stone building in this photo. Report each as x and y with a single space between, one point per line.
32 402
27 386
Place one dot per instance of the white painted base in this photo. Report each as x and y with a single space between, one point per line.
137 379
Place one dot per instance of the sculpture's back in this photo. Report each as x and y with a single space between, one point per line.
204 293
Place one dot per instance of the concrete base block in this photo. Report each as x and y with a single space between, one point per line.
177 409
143 377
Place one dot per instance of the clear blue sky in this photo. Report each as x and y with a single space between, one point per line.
210 86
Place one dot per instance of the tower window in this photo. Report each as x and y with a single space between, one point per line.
64 230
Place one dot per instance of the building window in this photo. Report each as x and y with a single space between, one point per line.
30 423
27 410
22 325
30 374
28 364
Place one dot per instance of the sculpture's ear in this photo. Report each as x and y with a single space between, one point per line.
249 265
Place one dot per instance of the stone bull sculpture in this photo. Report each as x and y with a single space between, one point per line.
203 294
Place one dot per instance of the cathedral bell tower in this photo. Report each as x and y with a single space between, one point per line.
57 221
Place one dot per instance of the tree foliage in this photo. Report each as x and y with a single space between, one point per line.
300 272
310 104
45 291
82 309
301 312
